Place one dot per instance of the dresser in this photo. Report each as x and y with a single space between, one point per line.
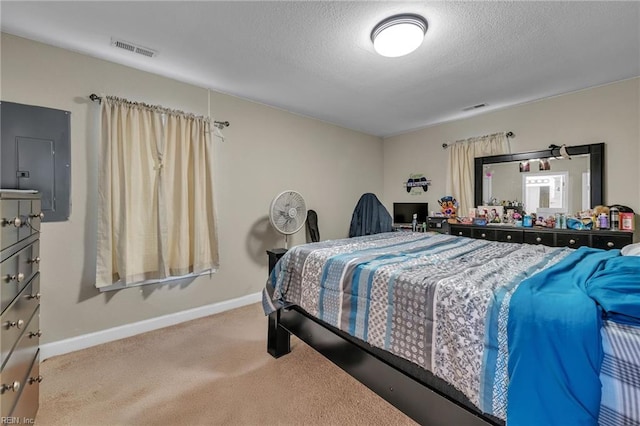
20 217
546 236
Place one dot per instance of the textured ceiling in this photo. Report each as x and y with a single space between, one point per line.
316 58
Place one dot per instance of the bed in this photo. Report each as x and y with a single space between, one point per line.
453 330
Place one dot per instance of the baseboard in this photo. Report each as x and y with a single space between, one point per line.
84 341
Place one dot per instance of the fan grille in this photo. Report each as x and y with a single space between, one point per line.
288 212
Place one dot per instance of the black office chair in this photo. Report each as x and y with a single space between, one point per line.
312 226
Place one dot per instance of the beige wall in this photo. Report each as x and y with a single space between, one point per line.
609 114
266 151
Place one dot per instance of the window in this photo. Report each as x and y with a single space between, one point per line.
156 205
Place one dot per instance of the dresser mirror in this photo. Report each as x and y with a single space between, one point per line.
543 182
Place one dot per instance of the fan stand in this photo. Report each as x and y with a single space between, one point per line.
286 241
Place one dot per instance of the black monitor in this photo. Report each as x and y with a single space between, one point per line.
403 212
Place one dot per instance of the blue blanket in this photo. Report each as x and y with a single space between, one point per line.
616 288
555 349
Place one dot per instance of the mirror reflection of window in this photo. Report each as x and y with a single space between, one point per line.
544 196
586 190
545 193
507 183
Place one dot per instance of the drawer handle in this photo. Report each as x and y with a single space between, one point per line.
483 235
15 386
572 241
538 239
18 278
460 233
38 379
610 244
35 296
35 260
16 221
35 334
18 324
508 237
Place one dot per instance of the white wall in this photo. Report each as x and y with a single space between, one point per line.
609 114
267 151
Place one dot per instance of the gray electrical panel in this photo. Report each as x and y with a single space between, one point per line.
35 153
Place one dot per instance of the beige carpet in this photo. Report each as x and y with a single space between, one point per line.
211 371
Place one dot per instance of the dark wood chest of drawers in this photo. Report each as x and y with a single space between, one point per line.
549 237
20 333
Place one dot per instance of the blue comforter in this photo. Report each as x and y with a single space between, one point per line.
555 349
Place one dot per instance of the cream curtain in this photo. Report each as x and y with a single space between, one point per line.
155 193
192 244
460 176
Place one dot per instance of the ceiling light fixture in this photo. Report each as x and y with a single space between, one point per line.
399 35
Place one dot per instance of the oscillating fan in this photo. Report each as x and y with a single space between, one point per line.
287 213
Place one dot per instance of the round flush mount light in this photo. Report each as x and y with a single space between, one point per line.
399 35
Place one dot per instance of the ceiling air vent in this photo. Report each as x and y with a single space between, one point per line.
146 52
474 107
121 44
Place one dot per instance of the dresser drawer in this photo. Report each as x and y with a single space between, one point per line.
17 367
35 218
484 234
9 212
19 219
28 402
14 320
16 271
24 210
509 236
611 241
572 240
461 231
544 238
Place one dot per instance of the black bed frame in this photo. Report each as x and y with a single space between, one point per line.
410 395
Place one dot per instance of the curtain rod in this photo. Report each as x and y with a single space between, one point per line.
218 124
507 134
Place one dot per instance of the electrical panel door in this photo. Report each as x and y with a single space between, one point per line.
35 154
